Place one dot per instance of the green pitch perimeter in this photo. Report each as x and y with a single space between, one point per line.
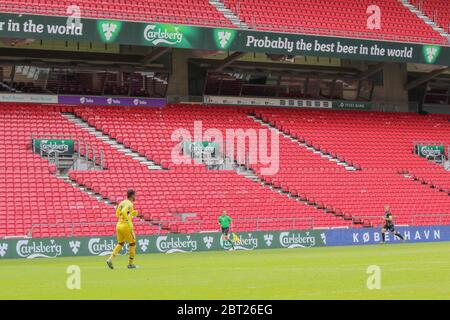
409 271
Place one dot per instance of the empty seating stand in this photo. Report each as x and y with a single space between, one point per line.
339 18
382 144
379 143
436 10
191 12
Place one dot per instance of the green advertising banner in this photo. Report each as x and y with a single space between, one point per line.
53 146
169 243
291 103
357 105
430 150
209 38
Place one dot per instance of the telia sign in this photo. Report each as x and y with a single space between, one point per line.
112 101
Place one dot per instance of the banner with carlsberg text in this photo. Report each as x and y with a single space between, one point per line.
25 26
169 243
183 243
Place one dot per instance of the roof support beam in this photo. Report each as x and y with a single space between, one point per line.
371 71
425 78
155 54
229 60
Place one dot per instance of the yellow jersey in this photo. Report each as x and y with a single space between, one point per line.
125 212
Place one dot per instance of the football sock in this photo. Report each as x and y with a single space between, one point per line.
383 236
132 253
116 250
400 236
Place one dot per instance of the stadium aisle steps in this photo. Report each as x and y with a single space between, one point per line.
312 148
112 142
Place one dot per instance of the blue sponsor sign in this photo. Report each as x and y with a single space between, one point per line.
345 237
112 101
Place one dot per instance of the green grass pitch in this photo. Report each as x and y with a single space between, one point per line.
408 271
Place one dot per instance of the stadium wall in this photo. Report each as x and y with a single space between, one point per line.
173 243
82 100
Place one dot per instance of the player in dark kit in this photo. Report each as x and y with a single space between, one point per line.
389 225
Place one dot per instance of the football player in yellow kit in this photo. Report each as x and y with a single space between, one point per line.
125 231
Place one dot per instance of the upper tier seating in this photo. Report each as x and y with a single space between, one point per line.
191 12
436 10
317 17
340 18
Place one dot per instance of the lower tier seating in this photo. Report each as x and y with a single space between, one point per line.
306 190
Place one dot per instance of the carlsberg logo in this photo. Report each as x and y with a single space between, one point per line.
172 244
208 240
75 246
297 240
38 249
53 147
100 247
246 242
144 243
431 53
224 38
109 30
157 35
430 151
3 249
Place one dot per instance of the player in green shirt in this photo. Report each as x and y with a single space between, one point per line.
225 224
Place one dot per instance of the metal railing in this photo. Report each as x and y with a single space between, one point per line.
289 223
411 220
91 152
257 224
243 224
439 159
71 226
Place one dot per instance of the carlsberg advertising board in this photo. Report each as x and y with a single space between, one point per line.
169 243
53 146
26 26
185 243
427 151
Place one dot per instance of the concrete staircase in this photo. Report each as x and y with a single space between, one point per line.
85 190
425 184
251 175
112 142
425 18
229 14
304 145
